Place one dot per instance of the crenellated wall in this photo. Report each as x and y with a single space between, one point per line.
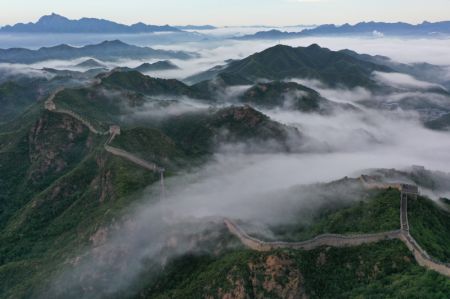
113 131
334 240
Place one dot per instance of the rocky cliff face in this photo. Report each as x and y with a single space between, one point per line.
56 143
271 276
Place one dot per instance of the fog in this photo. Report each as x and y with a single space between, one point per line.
260 188
215 49
217 52
402 81
8 70
166 107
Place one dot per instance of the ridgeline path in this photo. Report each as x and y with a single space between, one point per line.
50 105
336 240
132 158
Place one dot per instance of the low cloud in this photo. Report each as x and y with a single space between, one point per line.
402 81
260 188
11 71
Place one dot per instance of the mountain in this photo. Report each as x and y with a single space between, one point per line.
67 185
196 27
157 66
58 24
21 92
107 50
289 95
90 63
270 34
15 98
377 29
199 134
137 82
69 194
313 62
206 75
325 272
394 29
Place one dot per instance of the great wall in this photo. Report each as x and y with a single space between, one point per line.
113 131
336 240
333 240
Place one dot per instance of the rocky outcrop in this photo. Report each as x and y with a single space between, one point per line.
113 132
55 143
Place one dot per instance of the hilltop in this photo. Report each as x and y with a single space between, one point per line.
90 63
157 66
289 95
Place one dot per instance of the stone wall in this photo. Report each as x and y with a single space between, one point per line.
422 257
333 240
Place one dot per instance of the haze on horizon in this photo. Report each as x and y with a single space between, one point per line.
232 12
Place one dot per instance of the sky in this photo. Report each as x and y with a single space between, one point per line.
230 12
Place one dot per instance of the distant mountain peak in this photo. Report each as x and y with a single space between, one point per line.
315 47
54 16
115 42
51 18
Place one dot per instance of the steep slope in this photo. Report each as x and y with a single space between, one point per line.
53 202
384 269
362 271
430 226
15 98
68 188
200 133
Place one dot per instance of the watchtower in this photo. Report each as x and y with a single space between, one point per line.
50 105
412 191
114 130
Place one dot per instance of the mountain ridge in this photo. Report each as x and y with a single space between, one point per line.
376 29
106 50
55 23
313 62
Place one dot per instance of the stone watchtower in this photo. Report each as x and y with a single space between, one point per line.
50 105
411 191
114 130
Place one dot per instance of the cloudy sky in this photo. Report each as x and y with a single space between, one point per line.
230 12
